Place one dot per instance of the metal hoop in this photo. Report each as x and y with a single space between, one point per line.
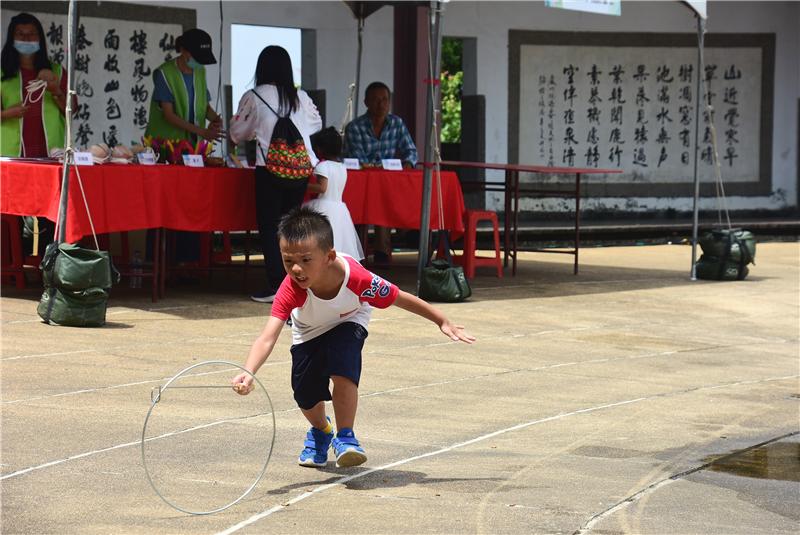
155 399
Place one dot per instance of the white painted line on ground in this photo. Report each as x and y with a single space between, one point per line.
510 286
255 518
138 345
438 383
71 458
116 311
541 283
307 494
161 309
370 438
108 313
513 370
126 385
18 357
371 394
165 435
589 525
119 446
84 391
133 443
405 348
650 489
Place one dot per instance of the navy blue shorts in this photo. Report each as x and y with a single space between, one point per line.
337 352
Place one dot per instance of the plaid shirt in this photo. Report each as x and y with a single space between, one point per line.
395 141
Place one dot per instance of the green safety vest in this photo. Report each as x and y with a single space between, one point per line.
158 125
11 129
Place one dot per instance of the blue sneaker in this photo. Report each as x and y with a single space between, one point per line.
348 451
315 452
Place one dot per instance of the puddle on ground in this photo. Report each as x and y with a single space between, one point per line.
779 460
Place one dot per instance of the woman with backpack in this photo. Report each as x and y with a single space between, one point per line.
281 118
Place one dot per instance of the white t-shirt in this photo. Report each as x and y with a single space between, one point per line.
254 120
312 316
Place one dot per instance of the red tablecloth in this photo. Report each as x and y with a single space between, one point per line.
130 197
393 199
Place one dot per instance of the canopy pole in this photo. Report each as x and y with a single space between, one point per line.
72 25
358 63
431 142
700 100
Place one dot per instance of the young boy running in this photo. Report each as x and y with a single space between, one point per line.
329 297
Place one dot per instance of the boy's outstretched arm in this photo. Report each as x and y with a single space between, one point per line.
260 350
414 304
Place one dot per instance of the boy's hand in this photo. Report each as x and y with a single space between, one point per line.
243 384
414 304
456 332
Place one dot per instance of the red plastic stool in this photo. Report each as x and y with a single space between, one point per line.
469 260
13 259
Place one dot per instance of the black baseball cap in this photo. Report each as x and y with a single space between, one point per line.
198 43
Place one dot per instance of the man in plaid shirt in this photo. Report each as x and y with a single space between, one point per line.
375 136
378 134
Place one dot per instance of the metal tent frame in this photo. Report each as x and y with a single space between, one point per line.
72 31
361 10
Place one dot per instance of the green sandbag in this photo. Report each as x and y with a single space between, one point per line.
711 268
726 254
444 283
71 267
742 242
76 282
78 308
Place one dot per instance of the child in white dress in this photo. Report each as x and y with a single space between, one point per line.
331 178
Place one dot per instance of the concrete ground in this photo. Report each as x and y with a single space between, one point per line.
594 403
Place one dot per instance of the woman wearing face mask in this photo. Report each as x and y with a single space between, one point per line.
180 105
32 112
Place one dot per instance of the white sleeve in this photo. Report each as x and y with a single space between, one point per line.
243 124
311 116
323 169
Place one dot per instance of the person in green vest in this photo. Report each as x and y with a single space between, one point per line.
33 98
33 92
180 104
180 108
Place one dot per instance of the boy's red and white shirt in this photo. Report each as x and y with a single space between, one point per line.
311 316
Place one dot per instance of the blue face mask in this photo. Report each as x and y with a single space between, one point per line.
193 64
26 48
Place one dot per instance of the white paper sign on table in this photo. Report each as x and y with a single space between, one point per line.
193 160
83 158
146 158
351 163
392 164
